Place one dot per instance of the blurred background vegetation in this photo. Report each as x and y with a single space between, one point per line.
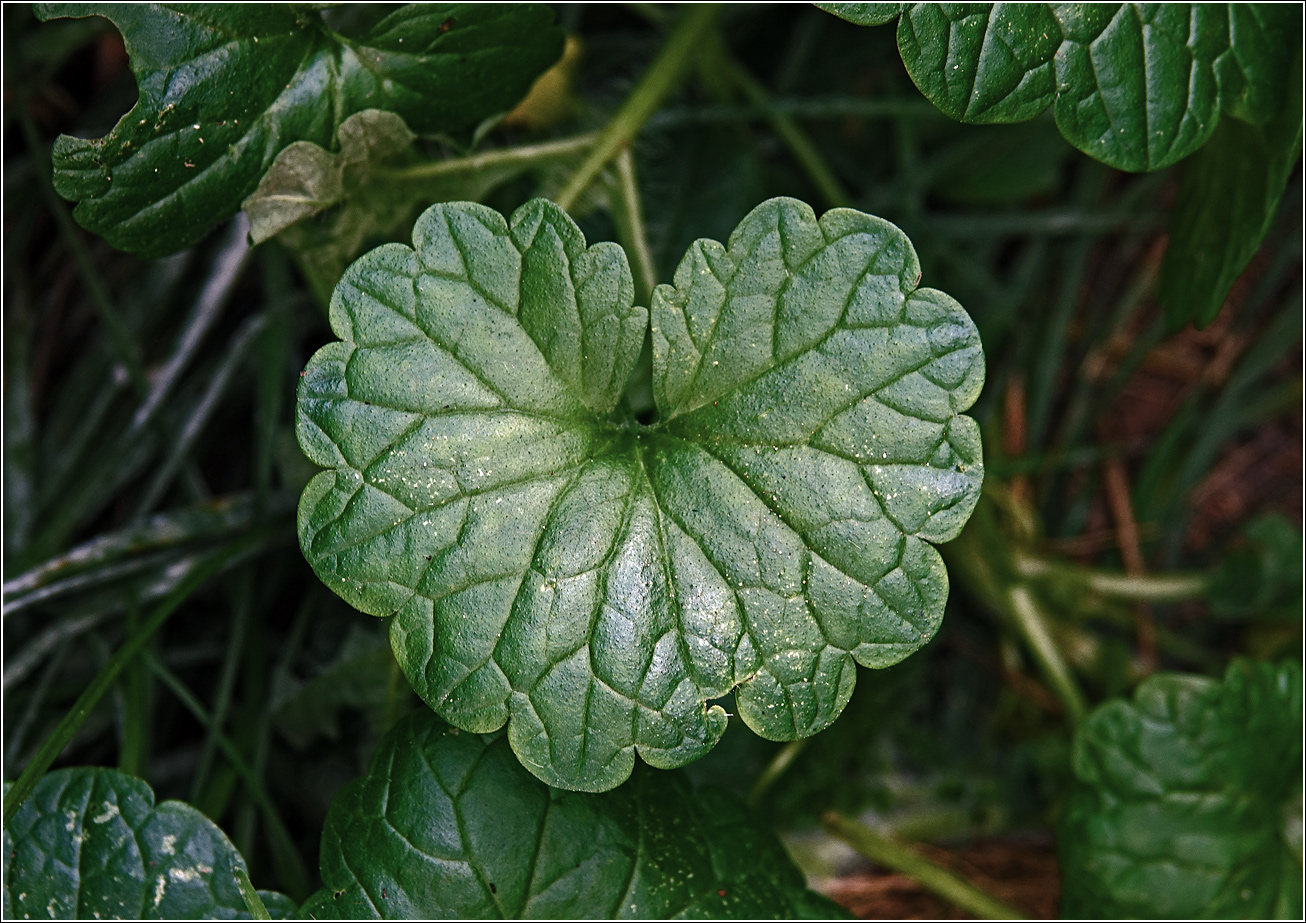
148 433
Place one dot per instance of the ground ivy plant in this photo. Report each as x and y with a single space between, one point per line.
443 824
449 824
1137 86
1187 801
225 88
91 844
552 559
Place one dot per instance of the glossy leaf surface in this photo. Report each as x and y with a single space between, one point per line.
1226 204
595 582
92 844
448 824
1187 800
224 88
1136 86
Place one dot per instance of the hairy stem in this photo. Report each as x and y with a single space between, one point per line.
666 71
628 214
486 160
930 876
780 763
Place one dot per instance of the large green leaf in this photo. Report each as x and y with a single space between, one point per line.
594 582
1261 578
449 825
1226 204
92 844
224 88
1187 801
1137 86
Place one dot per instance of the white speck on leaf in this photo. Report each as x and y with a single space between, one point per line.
169 843
110 812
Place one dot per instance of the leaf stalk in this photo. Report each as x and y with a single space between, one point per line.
485 160
663 75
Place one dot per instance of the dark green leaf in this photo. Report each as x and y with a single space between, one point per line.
450 825
595 582
223 89
357 677
981 62
1137 86
1187 801
92 844
864 14
1003 164
1263 578
1227 200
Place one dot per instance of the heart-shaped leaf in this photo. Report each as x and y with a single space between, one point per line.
1187 801
449 825
1137 86
225 87
92 844
595 582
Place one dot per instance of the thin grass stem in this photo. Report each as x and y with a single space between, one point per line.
901 858
104 679
664 74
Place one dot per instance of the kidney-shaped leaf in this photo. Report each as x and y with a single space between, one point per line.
225 87
595 582
449 825
1187 801
92 844
1137 86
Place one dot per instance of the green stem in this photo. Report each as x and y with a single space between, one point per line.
930 876
294 872
242 601
123 344
103 681
790 132
628 214
666 71
394 694
1033 627
252 900
781 762
488 160
135 701
1158 588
